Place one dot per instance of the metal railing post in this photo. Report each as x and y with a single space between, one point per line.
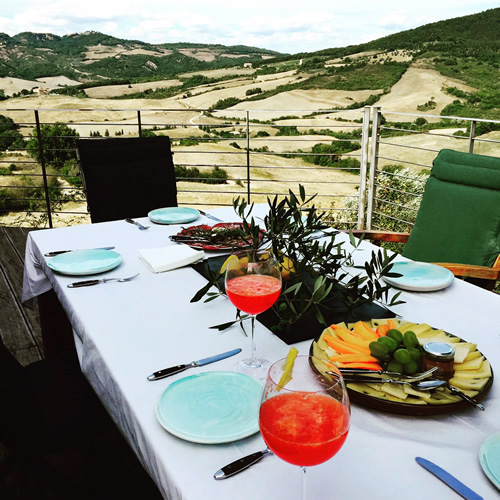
365 138
44 170
472 135
373 165
139 124
248 155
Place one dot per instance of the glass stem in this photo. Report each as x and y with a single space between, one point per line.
304 483
254 346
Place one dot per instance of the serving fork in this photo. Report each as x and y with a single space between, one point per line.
78 284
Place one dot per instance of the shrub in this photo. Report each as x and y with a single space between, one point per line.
58 141
193 174
398 196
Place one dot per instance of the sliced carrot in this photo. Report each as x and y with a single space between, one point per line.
364 331
354 358
382 330
347 336
339 329
366 366
391 324
344 347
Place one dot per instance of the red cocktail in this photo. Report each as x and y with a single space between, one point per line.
253 293
304 429
253 285
304 412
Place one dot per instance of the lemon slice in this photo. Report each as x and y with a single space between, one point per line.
287 373
231 262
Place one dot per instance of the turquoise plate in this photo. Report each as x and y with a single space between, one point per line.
211 407
489 457
83 262
173 215
420 276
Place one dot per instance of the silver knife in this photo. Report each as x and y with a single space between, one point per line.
240 464
166 372
448 479
209 216
58 252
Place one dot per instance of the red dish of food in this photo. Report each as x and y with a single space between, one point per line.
225 236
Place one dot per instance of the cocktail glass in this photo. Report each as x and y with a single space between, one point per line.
253 285
304 420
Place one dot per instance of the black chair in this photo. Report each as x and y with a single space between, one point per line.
61 442
127 177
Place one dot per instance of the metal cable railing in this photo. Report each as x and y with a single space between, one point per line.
337 160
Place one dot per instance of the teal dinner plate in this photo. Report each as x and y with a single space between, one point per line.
420 276
173 215
211 407
83 262
489 458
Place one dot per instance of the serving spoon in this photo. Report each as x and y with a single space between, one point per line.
418 385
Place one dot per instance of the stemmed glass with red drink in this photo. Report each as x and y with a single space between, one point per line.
304 420
253 285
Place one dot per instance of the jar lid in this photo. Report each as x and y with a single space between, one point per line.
439 351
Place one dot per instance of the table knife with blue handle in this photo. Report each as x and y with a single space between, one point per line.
448 479
166 372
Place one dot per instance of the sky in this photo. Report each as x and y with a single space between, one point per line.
287 26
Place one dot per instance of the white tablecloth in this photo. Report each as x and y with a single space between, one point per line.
125 331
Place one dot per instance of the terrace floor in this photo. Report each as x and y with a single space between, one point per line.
115 471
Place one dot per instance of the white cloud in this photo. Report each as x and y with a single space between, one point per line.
281 25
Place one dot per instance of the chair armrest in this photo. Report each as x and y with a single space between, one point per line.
468 270
381 235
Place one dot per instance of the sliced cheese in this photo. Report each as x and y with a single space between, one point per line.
472 355
462 350
421 329
483 372
473 364
471 384
419 394
383 321
394 390
405 326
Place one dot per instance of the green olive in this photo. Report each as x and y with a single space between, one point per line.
411 367
410 339
402 356
391 344
394 366
378 350
396 335
415 354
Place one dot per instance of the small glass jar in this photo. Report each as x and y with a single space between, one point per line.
440 355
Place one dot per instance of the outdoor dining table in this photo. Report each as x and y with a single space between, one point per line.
125 331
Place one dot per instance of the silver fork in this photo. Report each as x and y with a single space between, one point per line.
361 371
79 284
139 225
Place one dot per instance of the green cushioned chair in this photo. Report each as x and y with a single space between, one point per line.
458 222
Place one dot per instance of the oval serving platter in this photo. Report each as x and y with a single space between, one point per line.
365 396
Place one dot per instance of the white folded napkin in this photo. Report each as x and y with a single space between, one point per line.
171 257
